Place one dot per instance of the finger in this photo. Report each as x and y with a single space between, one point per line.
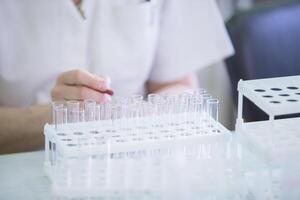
84 78
80 93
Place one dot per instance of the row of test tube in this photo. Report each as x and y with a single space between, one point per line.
197 107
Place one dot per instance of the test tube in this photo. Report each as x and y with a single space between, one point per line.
213 112
73 108
199 92
137 98
59 117
55 104
196 115
98 112
152 98
90 110
205 99
59 114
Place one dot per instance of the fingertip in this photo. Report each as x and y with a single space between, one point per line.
106 98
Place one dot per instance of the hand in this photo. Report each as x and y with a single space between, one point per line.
81 85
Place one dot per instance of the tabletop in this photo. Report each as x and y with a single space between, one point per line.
22 176
255 177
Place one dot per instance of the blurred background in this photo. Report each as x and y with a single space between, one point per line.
266 38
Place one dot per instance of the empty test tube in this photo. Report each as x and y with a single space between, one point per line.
213 112
199 92
137 98
55 105
152 98
98 112
205 99
59 114
199 111
73 111
90 110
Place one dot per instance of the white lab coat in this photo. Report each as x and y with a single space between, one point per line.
130 41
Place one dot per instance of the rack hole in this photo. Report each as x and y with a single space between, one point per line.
259 90
71 145
94 132
276 89
99 138
275 102
292 100
66 139
78 133
284 95
267 96
292 88
116 136
141 127
61 134
298 93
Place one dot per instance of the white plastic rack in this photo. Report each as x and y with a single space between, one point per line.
275 138
130 125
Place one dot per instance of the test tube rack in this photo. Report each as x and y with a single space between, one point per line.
130 124
201 170
274 138
101 137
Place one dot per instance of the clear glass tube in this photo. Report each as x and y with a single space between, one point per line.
199 92
137 98
205 99
55 105
97 112
90 110
213 112
198 115
81 115
60 115
151 97
73 108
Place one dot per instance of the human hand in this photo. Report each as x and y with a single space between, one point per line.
81 85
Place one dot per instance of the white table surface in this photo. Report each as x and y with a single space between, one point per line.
22 177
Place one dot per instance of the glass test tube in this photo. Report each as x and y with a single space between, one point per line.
90 116
97 112
199 92
198 114
213 112
205 99
59 112
90 110
137 98
152 99
73 108
56 104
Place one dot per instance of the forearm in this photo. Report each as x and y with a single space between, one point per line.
188 83
21 129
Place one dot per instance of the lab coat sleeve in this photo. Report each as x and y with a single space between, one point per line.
192 36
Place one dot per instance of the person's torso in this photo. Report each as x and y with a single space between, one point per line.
39 39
